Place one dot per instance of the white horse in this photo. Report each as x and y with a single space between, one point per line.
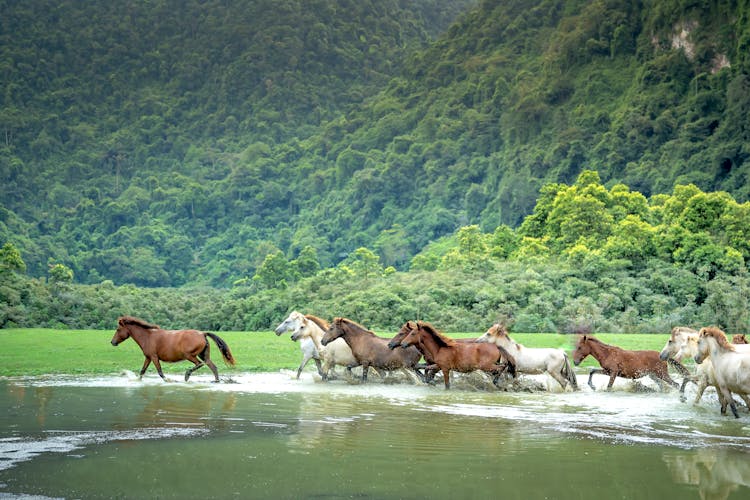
309 330
683 344
533 360
306 345
731 367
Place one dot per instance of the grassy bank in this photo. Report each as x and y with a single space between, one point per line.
28 352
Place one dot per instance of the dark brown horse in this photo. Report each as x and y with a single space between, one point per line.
370 350
618 362
171 345
447 354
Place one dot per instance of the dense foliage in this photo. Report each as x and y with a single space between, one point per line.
169 143
588 259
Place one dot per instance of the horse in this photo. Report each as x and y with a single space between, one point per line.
447 354
618 362
171 345
429 374
533 360
682 344
310 329
369 350
731 367
739 339
306 344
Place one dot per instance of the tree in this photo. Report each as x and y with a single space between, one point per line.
10 260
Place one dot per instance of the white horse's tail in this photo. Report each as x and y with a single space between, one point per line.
567 372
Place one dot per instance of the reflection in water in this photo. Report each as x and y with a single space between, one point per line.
716 472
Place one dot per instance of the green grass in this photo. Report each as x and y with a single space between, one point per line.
33 352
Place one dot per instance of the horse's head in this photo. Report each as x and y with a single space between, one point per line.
302 329
401 335
122 333
582 349
290 324
493 334
739 338
674 348
709 337
411 335
335 331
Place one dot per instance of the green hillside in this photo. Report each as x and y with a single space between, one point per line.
170 143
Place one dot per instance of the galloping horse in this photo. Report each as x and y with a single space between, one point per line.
533 359
429 373
732 368
447 354
371 350
306 344
171 345
309 331
618 362
683 343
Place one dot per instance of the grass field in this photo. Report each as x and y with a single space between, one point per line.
33 352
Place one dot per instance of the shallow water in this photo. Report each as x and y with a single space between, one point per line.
270 436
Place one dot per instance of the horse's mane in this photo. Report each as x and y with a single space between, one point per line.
322 324
739 338
439 337
132 320
353 324
719 335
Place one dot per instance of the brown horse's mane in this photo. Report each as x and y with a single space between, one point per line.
354 324
441 339
322 324
719 335
132 320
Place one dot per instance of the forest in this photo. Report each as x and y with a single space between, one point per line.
565 164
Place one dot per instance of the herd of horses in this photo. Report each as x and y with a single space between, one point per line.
421 351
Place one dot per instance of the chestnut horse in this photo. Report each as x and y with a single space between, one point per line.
370 350
739 338
618 362
429 374
731 367
447 354
171 345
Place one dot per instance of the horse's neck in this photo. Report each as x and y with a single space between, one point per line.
316 334
602 351
140 335
429 342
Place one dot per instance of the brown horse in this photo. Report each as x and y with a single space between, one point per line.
618 362
739 338
447 354
401 335
171 345
370 350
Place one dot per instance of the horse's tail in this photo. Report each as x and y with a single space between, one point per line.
567 372
223 347
510 362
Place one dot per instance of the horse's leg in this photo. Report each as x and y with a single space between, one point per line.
305 358
591 375
197 364
319 365
612 377
702 384
157 364
143 369
365 367
746 399
447 377
559 377
682 388
728 397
